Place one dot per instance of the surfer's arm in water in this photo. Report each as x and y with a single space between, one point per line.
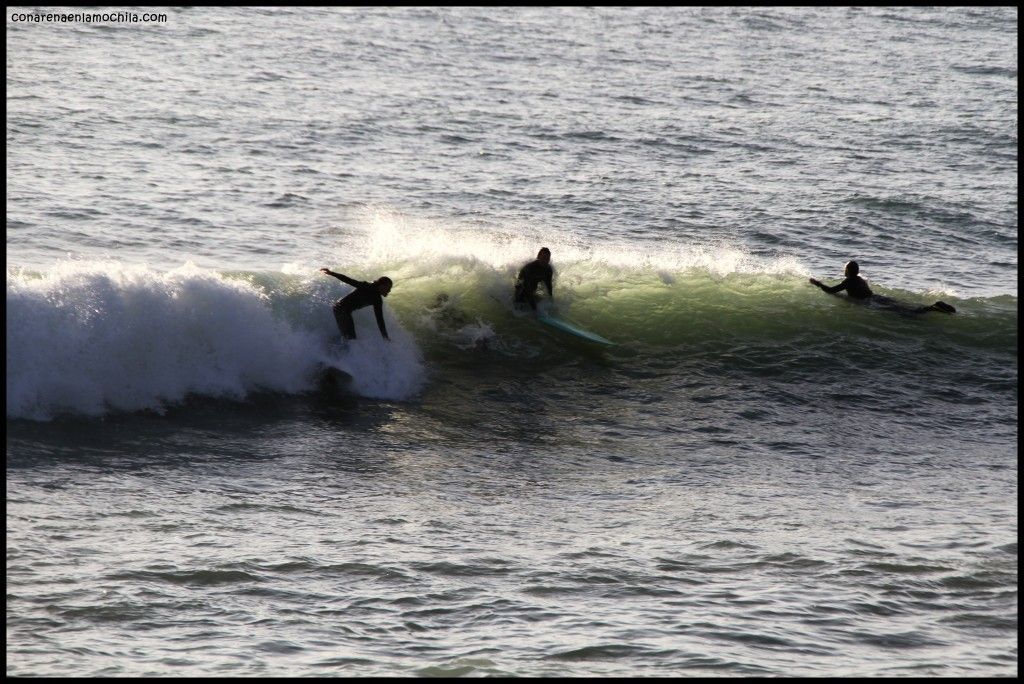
547 282
831 290
343 278
856 287
378 311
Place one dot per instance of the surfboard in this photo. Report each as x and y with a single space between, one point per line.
333 380
522 310
575 330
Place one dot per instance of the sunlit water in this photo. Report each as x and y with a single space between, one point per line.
758 479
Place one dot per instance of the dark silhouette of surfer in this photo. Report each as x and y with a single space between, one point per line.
857 288
365 294
533 274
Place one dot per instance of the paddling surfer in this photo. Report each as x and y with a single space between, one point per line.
365 294
533 274
857 288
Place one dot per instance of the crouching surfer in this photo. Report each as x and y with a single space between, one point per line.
365 294
531 276
857 288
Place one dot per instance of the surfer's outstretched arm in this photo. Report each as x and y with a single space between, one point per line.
831 290
342 278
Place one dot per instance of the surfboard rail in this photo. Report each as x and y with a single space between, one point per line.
572 329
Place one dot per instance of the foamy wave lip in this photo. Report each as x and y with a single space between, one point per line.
394 237
88 338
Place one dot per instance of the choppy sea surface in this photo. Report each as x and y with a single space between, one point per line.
757 479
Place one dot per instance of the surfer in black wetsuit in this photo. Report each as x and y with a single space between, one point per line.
857 288
365 294
533 274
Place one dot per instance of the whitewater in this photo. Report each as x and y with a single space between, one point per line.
757 479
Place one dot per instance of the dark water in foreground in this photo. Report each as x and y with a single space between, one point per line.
316 538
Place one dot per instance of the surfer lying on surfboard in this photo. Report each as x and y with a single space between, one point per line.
533 274
857 288
365 294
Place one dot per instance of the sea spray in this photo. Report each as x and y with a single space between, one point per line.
391 238
88 338
380 369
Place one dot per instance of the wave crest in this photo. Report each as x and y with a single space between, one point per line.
88 338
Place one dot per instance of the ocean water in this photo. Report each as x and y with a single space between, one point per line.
758 479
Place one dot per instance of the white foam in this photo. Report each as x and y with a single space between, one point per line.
478 335
392 237
88 338
381 370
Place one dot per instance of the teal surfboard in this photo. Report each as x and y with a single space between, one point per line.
574 330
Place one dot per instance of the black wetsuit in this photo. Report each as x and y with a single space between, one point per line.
365 294
855 286
530 276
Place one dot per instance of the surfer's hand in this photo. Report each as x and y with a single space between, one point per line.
815 282
325 270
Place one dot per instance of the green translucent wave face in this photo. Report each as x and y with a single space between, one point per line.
668 312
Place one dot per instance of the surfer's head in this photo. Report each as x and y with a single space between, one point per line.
544 255
383 285
851 269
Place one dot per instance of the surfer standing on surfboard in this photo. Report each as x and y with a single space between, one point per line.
857 288
533 274
365 294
